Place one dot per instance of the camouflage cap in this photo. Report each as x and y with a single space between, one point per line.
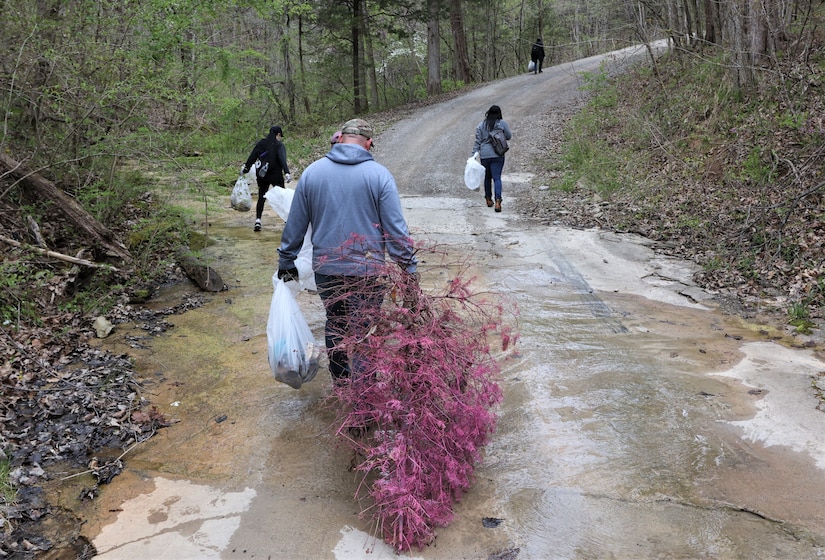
357 126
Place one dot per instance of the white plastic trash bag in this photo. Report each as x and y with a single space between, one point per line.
293 354
281 200
241 198
532 66
473 173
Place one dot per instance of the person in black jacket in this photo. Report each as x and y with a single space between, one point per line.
537 55
273 169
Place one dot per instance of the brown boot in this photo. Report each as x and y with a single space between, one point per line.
498 205
489 201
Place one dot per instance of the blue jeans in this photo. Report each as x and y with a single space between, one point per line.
347 301
492 176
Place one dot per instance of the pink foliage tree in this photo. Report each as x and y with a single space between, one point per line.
419 407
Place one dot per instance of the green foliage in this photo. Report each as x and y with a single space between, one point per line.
163 228
799 316
96 297
85 76
792 120
604 94
798 311
593 166
91 84
588 159
713 263
166 228
15 304
755 169
746 265
452 85
107 201
8 493
690 222
234 129
567 183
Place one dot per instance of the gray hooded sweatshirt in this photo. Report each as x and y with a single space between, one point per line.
352 204
483 144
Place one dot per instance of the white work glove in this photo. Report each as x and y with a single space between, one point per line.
288 177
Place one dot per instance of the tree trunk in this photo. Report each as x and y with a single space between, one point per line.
433 49
758 30
369 62
44 189
362 67
737 17
711 21
541 19
357 93
675 22
462 58
304 96
288 77
488 43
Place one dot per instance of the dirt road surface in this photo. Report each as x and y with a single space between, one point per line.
638 421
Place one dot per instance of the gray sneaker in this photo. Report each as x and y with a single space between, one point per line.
257 225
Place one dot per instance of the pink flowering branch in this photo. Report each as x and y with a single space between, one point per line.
419 408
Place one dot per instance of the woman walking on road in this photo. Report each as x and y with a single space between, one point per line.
492 162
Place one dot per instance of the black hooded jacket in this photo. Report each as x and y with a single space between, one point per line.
537 52
271 150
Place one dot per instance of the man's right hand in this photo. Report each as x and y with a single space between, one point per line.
288 274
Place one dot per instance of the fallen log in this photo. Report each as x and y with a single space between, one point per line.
46 190
54 254
203 275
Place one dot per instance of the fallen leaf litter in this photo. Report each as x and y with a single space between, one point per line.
64 405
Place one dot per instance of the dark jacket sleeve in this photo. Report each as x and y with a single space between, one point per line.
256 152
282 157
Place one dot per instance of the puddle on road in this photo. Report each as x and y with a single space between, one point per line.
624 433
212 517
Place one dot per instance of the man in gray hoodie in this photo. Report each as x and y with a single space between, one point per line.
352 206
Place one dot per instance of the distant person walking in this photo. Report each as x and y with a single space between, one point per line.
537 55
492 162
273 169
